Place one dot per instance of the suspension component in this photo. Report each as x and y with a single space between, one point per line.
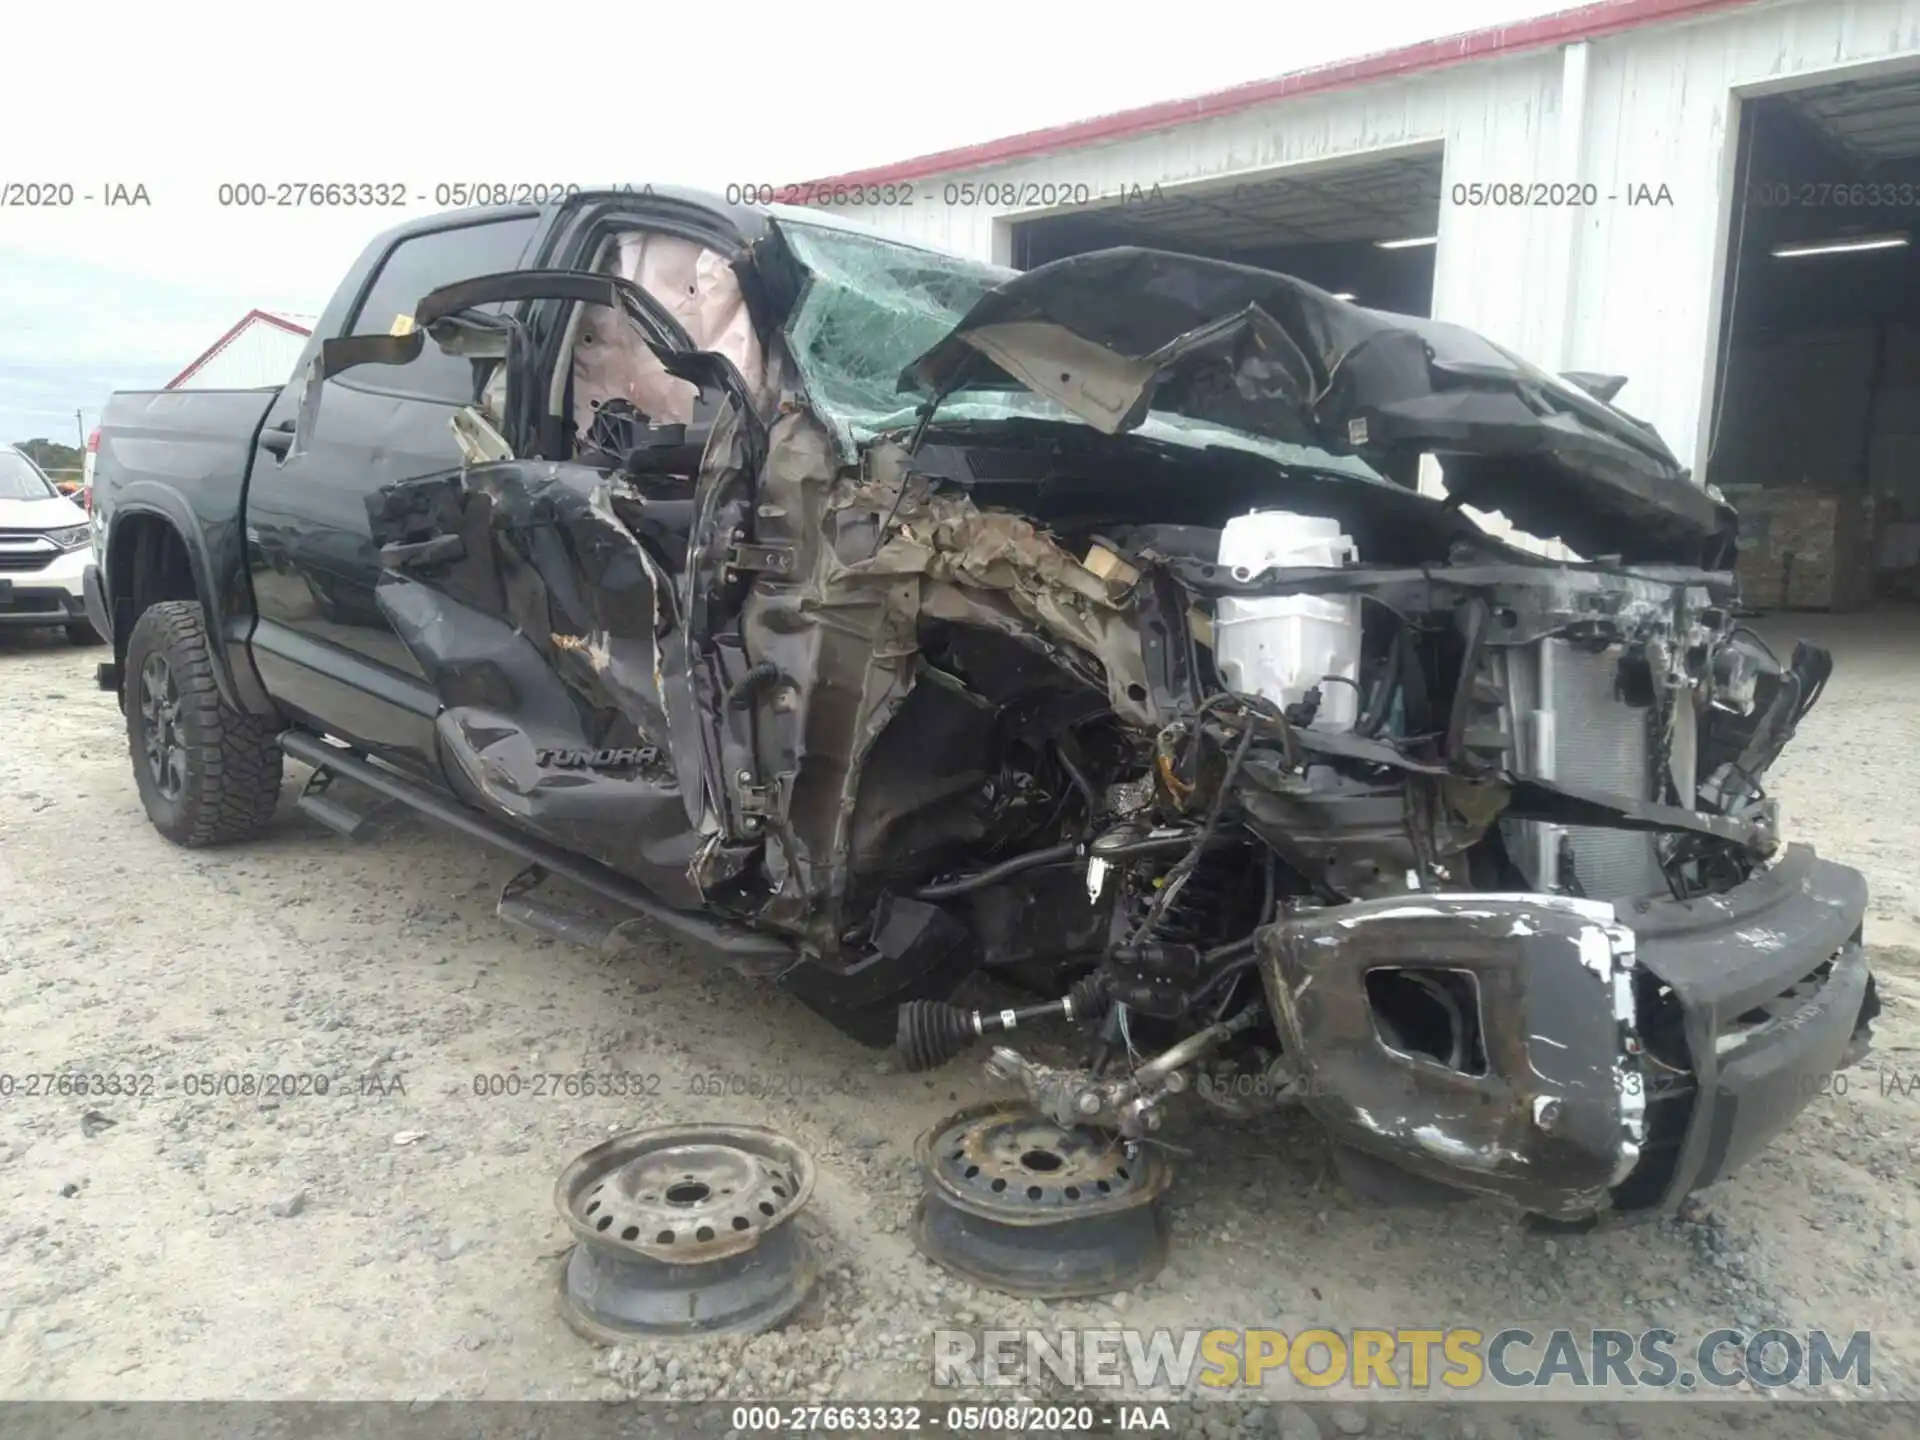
1127 1103
1193 911
932 1032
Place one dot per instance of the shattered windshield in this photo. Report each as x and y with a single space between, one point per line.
872 306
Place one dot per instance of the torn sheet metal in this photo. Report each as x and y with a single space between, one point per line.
1008 572
1550 1112
547 630
842 727
1112 334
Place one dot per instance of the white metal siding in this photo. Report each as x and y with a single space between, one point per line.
1656 107
261 354
1661 105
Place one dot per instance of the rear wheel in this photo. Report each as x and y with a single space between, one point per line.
207 773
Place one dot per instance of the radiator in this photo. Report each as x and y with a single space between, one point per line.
1587 738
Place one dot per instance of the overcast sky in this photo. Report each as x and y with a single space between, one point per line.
182 97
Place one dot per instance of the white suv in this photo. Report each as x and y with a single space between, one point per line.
45 544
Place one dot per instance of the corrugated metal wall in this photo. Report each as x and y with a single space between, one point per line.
1649 107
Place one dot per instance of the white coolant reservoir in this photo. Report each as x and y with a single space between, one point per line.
1284 646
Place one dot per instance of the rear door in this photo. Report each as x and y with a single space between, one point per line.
321 645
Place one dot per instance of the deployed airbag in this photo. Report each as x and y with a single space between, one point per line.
699 289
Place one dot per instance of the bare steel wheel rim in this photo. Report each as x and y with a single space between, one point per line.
1020 1204
685 1230
160 734
1008 1163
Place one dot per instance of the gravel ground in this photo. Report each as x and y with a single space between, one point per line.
396 1238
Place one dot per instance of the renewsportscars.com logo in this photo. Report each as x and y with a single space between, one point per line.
1453 1358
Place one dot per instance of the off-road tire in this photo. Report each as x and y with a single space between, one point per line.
225 771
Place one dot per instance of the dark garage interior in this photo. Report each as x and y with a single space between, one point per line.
1816 435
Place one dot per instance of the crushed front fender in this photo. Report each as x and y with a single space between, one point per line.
1575 1056
1536 1093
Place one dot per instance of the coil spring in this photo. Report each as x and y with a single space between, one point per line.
1193 917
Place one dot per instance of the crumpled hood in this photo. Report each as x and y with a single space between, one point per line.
1111 334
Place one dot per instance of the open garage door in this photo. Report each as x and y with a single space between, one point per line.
1360 227
1816 431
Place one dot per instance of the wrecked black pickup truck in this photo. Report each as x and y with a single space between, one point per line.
874 617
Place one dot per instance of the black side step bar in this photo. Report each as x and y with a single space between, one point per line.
328 798
748 949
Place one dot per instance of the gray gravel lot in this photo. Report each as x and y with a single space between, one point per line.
396 1237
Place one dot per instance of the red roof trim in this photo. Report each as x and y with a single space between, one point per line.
227 339
279 321
1563 27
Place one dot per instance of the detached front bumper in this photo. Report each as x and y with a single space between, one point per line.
1574 1056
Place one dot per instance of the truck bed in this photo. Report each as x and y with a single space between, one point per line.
193 439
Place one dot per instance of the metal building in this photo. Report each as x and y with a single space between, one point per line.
1619 188
261 349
